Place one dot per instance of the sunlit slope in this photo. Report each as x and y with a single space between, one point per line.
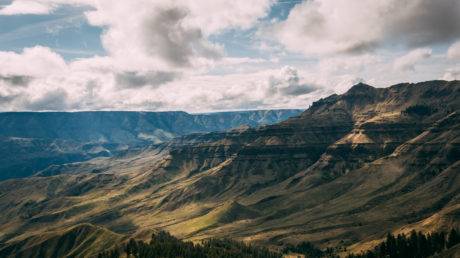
78 241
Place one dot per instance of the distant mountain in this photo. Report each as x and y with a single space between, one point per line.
31 141
345 172
129 127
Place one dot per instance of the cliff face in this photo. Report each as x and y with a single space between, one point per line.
333 137
346 171
30 142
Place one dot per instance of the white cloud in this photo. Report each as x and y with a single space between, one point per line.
35 62
148 44
214 16
319 27
17 7
98 84
288 83
349 64
452 74
454 51
158 35
211 16
409 60
25 7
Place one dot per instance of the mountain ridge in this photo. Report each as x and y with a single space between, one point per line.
344 172
32 141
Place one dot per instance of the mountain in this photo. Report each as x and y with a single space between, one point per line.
129 127
349 169
31 141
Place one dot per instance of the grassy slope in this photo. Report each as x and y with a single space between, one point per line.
78 241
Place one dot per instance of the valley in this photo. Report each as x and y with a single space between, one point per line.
33 141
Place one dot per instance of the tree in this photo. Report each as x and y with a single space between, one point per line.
391 246
453 239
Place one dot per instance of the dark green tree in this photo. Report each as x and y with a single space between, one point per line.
453 238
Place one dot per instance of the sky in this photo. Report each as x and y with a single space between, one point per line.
215 55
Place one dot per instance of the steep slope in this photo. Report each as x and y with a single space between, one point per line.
77 241
30 141
371 148
453 252
344 172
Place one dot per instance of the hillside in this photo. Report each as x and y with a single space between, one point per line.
31 141
77 241
343 173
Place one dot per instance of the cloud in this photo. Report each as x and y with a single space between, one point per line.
16 80
102 83
218 15
39 7
6 99
211 16
162 34
408 61
454 51
452 74
51 101
156 38
32 62
323 27
170 34
163 55
288 83
25 7
140 79
166 36
148 43
349 64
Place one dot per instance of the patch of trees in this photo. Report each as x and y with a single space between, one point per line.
165 245
419 110
415 245
309 250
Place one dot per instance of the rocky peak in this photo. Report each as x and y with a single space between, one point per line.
361 89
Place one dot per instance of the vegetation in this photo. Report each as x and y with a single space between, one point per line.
415 245
419 110
309 250
162 244
165 245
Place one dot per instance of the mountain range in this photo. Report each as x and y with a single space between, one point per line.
32 141
345 172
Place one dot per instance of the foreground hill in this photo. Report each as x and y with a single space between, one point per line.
345 172
78 241
31 141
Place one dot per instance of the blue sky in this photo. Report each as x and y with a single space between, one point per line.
66 30
202 55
